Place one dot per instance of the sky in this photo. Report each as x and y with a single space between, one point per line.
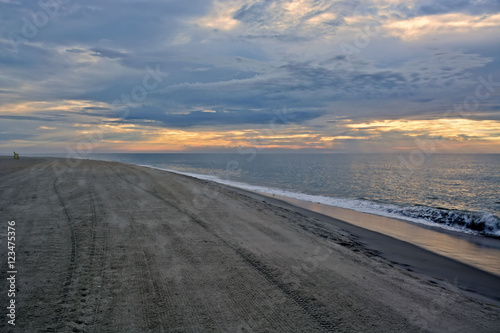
228 75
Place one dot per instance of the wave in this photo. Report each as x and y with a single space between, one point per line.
482 223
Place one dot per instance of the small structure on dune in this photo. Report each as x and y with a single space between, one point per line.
16 156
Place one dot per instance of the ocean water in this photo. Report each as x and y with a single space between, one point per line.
455 192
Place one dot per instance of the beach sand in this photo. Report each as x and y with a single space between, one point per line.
109 247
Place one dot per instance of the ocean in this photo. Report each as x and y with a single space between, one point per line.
453 192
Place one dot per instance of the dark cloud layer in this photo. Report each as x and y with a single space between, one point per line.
458 6
107 53
215 118
27 118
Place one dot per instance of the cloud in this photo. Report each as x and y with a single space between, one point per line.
76 51
153 117
282 20
26 118
410 60
428 7
106 53
441 24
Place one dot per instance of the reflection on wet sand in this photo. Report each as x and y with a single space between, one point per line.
473 251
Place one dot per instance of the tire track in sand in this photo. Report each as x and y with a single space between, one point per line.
157 302
58 320
310 308
82 287
91 293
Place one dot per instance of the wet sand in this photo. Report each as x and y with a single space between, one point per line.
109 247
478 251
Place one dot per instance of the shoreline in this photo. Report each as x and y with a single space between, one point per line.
487 240
443 242
454 229
479 251
409 256
109 247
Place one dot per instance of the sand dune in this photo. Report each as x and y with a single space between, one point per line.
109 247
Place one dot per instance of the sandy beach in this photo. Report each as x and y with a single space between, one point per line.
110 247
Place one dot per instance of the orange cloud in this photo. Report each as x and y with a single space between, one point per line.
418 27
451 128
